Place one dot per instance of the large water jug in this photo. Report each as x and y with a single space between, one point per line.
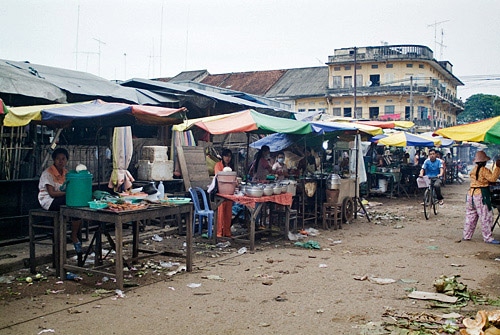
78 188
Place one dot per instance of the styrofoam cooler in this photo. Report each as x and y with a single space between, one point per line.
158 170
155 153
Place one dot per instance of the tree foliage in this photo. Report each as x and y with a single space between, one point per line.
480 107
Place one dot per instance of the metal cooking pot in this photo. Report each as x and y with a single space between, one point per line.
268 190
254 191
333 182
277 189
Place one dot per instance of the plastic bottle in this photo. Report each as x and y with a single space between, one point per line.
161 190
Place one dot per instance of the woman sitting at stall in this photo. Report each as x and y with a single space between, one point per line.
279 168
261 167
51 197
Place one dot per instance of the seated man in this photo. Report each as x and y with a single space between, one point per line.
433 168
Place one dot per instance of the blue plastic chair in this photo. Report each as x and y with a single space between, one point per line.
201 213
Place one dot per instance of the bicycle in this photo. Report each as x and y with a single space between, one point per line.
430 198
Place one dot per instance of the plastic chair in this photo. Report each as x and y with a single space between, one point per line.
201 213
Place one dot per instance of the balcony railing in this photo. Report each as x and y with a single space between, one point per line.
385 52
397 89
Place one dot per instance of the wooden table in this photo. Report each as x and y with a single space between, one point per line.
118 219
254 205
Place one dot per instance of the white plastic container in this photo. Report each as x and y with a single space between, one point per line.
160 170
161 190
292 186
382 185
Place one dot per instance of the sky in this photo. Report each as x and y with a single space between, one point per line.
123 39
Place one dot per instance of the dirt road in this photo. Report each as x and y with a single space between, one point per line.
282 288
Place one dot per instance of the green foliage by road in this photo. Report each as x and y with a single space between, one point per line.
479 107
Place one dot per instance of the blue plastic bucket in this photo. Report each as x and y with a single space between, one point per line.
78 188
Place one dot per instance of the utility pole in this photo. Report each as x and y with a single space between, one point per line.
99 53
355 85
411 99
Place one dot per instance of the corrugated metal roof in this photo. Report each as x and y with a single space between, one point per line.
302 82
80 85
220 103
197 75
254 82
14 81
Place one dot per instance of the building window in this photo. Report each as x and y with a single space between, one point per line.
347 67
322 110
337 82
388 100
311 110
373 101
423 112
348 112
389 66
409 65
301 110
336 102
388 110
374 66
373 112
347 81
337 112
420 66
358 67
336 68
347 102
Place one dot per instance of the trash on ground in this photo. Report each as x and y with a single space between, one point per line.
323 265
308 244
242 250
157 238
193 285
46 331
223 244
119 294
421 295
295 237
375 280
485 322
213 277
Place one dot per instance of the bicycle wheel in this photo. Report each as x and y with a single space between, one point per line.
427 203
435 202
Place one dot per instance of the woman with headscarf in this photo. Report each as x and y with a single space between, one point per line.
478 203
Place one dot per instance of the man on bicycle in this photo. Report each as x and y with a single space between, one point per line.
433 168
